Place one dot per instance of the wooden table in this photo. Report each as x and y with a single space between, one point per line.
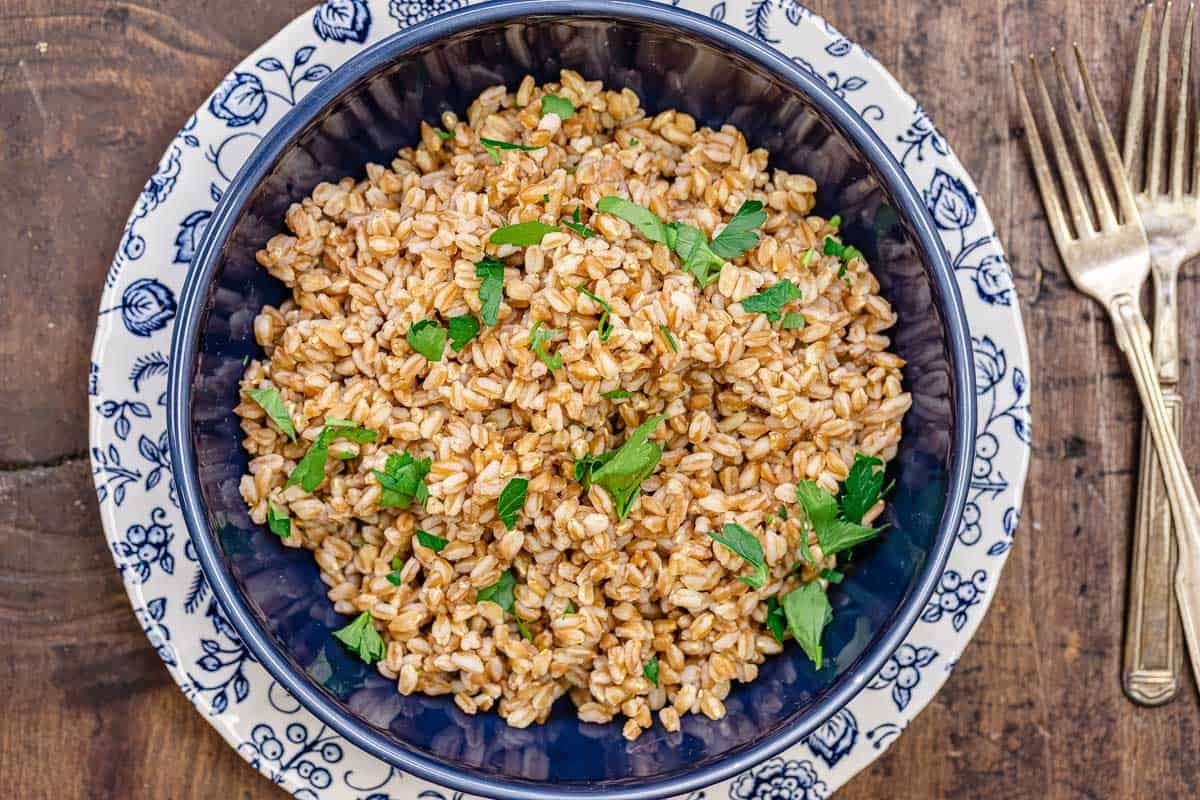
90 94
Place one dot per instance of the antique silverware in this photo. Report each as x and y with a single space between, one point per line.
1108 259
1167 199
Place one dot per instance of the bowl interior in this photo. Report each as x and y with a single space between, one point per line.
668 68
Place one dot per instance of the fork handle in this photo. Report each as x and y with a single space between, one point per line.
1152 637
1166 325
1133 337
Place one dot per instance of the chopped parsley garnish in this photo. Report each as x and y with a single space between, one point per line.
739 235
793 320
846 252
269 400
641 218
616 394
576 224
434 543
310 471
837 521
620 472
604 328
545 198
776 619
701 258
770 300
808 612
403 481
361 638
835 221
651 669
633 142
570 609
862 488
538 338
393 577
808 256
559 106
278 522
783 512
501 593
443 135
427 338
245 359
832 575
670 337
462 330
511 501
494 146
491 291
698 258
523 234
743 543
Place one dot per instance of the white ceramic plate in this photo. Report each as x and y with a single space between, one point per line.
137 496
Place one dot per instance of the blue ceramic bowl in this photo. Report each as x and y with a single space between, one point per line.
364 112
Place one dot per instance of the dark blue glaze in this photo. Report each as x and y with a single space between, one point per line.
365 111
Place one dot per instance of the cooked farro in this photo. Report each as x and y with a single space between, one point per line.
752 407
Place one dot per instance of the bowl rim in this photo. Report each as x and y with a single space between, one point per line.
185 344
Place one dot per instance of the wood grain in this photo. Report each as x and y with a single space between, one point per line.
91 93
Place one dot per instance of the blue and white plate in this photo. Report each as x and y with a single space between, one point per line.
132 470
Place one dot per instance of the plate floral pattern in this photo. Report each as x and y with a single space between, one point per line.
132 470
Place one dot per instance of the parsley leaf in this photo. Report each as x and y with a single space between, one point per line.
310 470
427 338
511 501
538 337
494 146
576 224
651 669
462 330
560 106
269 400
633 142
621 472
743 543
570 609
501 593
670 337
776 620
403 481
616 394
862 488
491 291
361 638
793 320
846 252
832 575
698 258
434 543
738 236
587 464
783 512
641 218
443 135
770 300
834 534
523 234
808 612
278 522
604 328
835 221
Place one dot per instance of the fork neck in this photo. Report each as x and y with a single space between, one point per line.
1165 336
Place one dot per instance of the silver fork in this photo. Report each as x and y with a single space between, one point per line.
1108 259
1170 212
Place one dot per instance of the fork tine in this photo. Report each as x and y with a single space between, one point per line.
1041 169
1135 119
1154 160
1091 170
1108 147
1062 156
1179 140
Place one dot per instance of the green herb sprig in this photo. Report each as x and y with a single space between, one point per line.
539 337
511 501
501 593
491 291
620 472
743 543
770 300
558 105
494 146
310 470
403 481
522 234
361 638
269 400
